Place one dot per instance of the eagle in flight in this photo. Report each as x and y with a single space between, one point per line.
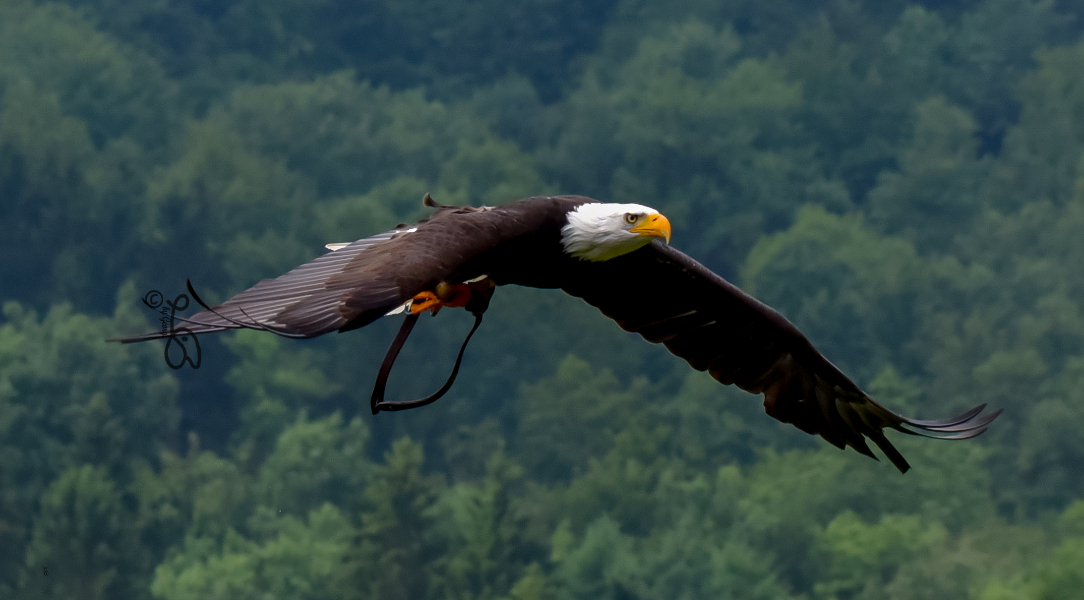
615 257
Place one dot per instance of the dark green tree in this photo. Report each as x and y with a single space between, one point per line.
82 538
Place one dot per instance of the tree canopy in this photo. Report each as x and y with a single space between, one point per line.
903 179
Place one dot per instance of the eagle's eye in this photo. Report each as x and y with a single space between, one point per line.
631 218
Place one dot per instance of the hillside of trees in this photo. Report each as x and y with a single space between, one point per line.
902 180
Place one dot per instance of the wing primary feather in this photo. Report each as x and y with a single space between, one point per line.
255 324
950 421
965 435
831 417
968 424
858 427
889 450
975 423
863 449
268 328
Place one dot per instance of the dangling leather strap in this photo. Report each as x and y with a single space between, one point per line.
377 402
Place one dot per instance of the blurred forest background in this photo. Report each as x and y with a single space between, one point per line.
903 180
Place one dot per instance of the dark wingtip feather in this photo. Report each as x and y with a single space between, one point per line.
861 447
963 435
961 427
965 416
955 428
890 451
974 423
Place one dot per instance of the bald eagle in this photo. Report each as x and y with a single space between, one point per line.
600 252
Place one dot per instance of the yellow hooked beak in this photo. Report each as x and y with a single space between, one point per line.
654 226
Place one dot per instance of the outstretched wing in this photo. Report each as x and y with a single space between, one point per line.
310 299
359 282
669 298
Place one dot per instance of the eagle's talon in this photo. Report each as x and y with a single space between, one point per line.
425 301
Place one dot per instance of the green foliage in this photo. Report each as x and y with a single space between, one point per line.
566 419
861 555
221 191
1043 150
715 426
199 494
603 565
375 211
905 181
113 89
314 460
1061 576
394 531
490 173
346 135
273 403
933 195
304 560
82 532
847 274
686 125
677 560
484 533
66 400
